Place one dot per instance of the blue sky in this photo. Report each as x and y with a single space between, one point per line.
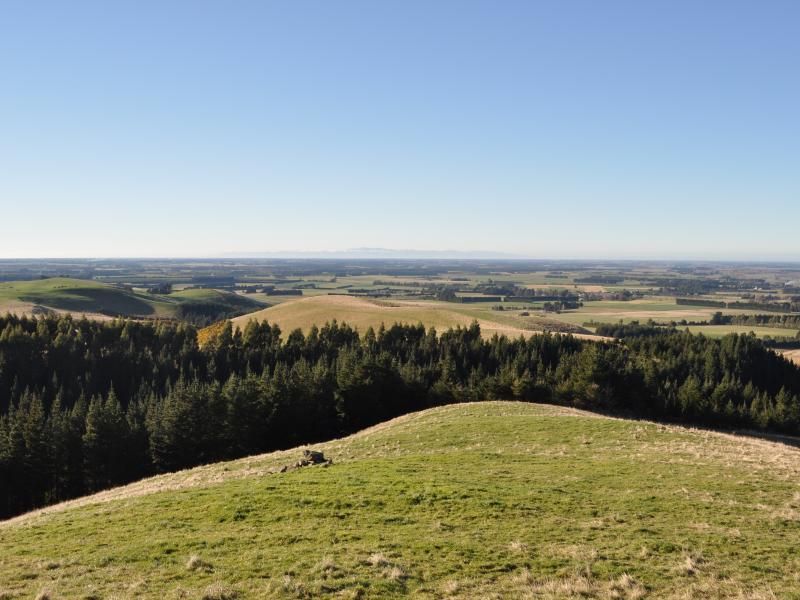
666 129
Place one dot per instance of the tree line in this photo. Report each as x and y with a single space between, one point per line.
86 405
779 321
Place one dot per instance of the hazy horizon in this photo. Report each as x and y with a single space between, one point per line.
418 254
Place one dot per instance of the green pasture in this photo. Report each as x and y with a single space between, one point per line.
485 500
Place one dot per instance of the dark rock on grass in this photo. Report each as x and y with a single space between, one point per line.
312 457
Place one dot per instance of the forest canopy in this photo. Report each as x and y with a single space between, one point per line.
86 405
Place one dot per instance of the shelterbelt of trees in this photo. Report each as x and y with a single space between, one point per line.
86 405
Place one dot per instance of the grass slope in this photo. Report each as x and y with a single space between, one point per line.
368 312
485 500
793 355
81 296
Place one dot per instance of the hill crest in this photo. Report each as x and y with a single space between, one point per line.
489 499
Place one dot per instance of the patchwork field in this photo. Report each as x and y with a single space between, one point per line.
659 309
723 330
485 500
363 313
664 310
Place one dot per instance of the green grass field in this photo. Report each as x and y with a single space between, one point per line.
486 500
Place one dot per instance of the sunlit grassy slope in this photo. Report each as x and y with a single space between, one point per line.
368 312
486 500
793 355
81 296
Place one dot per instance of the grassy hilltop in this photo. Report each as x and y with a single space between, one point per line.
370 312
496 499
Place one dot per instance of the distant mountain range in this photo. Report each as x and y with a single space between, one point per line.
384 253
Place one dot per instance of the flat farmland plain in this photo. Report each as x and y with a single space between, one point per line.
664 310
723 330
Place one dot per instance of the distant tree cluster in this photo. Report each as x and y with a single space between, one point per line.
774 306
633 329
205 312
557 307
86 405
160 288
780 321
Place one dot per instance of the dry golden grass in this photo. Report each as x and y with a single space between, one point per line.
219 591
195 563
378 559
363 313
792 355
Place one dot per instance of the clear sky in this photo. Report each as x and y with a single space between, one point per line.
545 129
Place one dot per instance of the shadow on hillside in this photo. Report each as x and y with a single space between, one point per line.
99 300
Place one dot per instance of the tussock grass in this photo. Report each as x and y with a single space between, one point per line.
691 564
195 563
395 573
377 560
326 568
219 591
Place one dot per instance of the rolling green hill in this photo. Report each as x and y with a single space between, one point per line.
81 296
485 500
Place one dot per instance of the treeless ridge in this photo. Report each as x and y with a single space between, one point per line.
475 500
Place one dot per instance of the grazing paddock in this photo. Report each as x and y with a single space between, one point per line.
665 310
482 500
78 296
723 330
